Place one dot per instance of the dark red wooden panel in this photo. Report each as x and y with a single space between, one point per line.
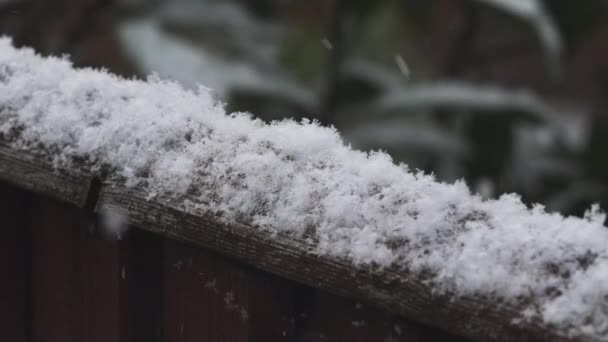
145 292
205 297
326 317
14 265
210 298
77 279
55 278
271 308
102 285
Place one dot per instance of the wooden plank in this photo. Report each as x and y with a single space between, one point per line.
271 308
327 317
210 298
38 175
14 264
55 278
407 295
205 296
102 285
144 276
77 285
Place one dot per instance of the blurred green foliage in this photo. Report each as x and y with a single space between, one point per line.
284 58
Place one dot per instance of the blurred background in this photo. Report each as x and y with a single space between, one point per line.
507 94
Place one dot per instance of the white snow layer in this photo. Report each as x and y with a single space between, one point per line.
298 178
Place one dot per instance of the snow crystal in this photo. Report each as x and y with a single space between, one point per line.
113 222
327 44
358 324
397 329
300 179
403 67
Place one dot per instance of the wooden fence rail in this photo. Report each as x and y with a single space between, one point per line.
64 280
206 282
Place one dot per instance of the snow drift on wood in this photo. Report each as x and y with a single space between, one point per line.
301 179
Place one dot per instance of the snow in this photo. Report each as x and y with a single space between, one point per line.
300 179
327 44
403 67
113 222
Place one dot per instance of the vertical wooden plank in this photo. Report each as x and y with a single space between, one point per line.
210 298
328 317
54 273
14 265
77 285
205 296
101 284
271 308
145 287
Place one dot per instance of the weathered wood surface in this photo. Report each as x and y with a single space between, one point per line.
36 174
398 292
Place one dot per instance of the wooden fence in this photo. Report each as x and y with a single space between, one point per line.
64 280
179 276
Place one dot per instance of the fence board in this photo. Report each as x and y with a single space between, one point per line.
210 298
271 308
13 265
320 316
145 286
205 297
102 286
55 273
76 278
404 294
327 317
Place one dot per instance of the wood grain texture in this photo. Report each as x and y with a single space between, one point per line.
396 291
38 175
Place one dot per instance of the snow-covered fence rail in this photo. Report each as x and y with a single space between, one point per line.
292 200
66 276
